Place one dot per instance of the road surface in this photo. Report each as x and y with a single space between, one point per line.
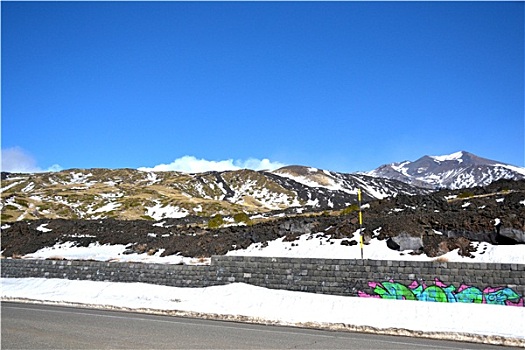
34 326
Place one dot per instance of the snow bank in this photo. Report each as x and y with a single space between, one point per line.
460 321
108 252
317 246
314 245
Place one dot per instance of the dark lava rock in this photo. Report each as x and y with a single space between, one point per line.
390 243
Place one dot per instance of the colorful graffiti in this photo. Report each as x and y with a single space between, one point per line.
440 292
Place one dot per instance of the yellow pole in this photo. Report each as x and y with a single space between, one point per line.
360 222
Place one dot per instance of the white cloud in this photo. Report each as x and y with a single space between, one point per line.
190 164
16 160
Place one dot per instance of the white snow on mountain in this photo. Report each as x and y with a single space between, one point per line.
159 212
457 170
454 156
400 167
512 168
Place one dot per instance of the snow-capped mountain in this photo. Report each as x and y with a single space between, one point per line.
458 170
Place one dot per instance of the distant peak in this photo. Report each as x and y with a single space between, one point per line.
465 158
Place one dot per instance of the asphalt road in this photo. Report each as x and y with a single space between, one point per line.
32 326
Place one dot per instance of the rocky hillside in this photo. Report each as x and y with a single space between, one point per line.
211 213
431 224
458 170
129 194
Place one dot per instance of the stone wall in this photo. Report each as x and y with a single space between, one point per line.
438 281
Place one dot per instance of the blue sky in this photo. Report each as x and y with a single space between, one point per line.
343 86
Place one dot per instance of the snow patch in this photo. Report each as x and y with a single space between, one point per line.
77 178
76 235
401 168
513 168
10 186
152 178
111 195
43 228
95 251
159 224
29 187
454 156
105 208
159 212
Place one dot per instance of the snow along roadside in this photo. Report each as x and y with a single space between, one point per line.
490 324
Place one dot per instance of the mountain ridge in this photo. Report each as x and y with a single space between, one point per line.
457 170
132 194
